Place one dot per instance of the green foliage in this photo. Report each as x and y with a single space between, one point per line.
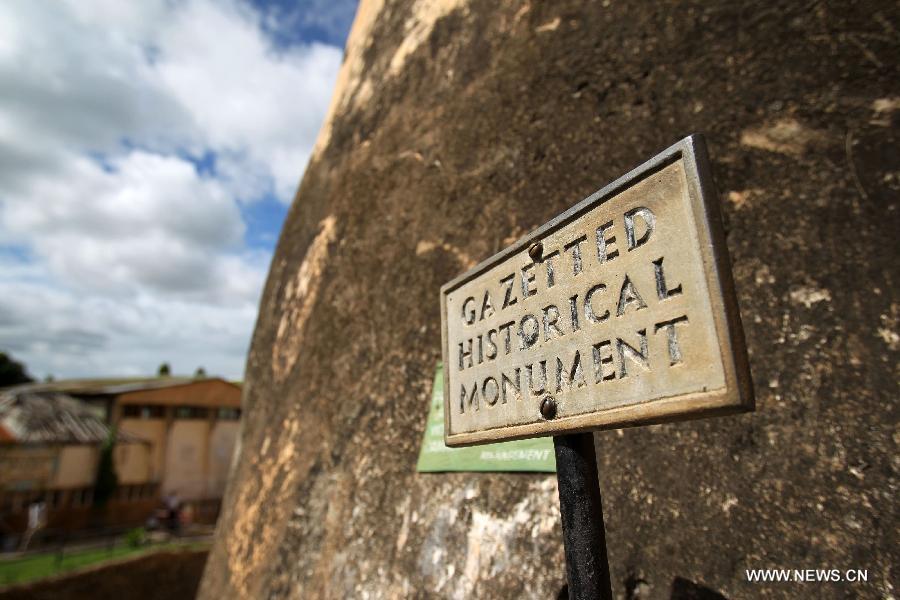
165 370
200 373
107 479
136 537
39 566
12 372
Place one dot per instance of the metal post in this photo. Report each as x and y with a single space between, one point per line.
584 536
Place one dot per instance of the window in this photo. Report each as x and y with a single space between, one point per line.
124 493
54 498
21 500
135 492
191 412
12 502
143 411
82 497
228 414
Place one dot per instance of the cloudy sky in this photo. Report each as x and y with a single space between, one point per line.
148 154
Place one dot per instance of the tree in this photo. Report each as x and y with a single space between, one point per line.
164 370
107 479
200 373
12 372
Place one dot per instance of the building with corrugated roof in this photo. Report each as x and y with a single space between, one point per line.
173 435
49 451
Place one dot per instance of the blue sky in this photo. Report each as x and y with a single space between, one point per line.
148 154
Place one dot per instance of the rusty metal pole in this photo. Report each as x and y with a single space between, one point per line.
581 508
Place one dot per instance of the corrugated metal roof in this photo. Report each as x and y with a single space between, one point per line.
88 387
28 416
113 387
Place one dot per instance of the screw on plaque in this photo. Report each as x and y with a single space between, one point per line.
548 407
536 251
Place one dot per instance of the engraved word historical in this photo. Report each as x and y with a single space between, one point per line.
619 312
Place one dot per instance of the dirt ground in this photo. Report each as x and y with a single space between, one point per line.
156 576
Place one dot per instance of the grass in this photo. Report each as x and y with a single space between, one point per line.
39 566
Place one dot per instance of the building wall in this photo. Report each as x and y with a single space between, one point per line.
186 454
192 452
26 467
207 393
134 462
154 431
63 477
221 448
76 466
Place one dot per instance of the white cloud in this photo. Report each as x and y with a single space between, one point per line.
133 254
193 75
243 96
67 333
146 222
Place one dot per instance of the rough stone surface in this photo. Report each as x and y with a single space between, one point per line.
457 127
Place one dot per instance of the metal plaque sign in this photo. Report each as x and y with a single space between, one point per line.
620 311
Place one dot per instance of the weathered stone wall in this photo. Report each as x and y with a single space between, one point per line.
458 126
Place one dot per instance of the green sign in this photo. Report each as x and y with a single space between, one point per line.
534 455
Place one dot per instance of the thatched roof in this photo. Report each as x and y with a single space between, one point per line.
29 416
